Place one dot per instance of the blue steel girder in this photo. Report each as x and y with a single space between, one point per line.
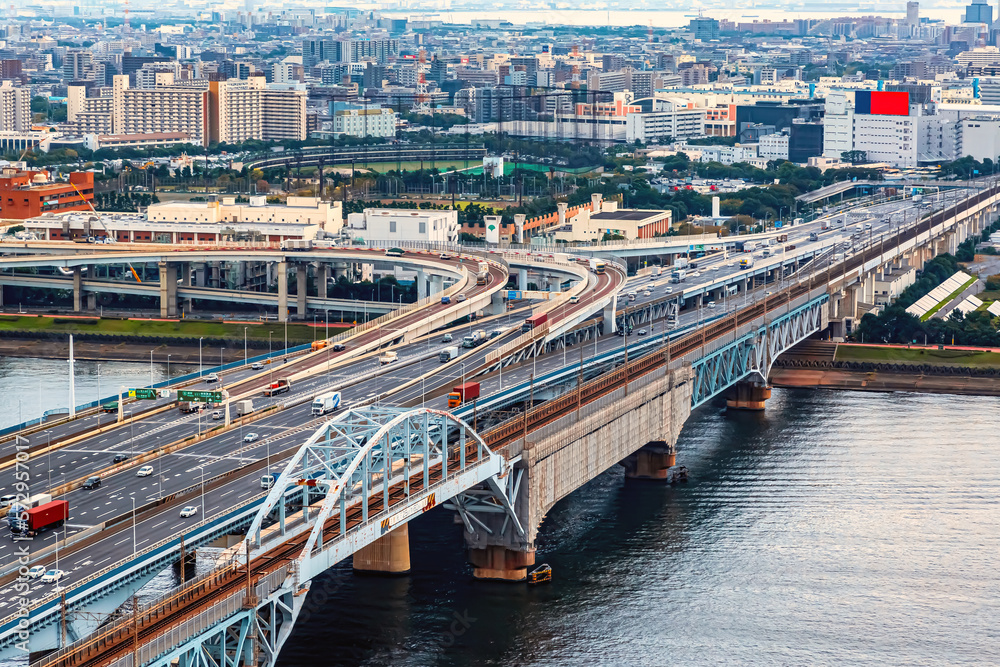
754 352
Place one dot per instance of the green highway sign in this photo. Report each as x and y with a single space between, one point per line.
186 395
142 394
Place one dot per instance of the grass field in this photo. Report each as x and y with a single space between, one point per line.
298 333
917 356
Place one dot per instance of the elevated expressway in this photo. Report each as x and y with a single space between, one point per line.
373 468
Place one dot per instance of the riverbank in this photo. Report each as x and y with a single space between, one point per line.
884 381
181 352
29 326
965 371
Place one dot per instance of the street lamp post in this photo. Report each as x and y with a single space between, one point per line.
245 358
168 370
151 368
199 356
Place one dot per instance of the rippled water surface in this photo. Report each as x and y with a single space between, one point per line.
836 528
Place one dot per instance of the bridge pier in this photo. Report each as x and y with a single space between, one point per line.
747 396
389 554
168 289
609 318
421 285
497 304
522 279
301 289
322 273
567 454
91 301
77 290
500 563
652 461
282 291
437 284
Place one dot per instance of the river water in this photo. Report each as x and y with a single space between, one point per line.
835 528
29 387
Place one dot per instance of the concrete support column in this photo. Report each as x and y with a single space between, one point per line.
747 396
91 301
214 274
497 304
437 284
653 462
185 277
322 271
301 289
497 562
168 289
77 289
610 326
282 291
421 284
389 554
522 279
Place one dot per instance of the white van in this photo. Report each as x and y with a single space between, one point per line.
632 296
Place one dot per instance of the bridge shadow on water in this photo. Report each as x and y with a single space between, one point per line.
611 543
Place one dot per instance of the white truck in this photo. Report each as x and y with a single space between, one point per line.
387 358
244 407
324 403
656 271
746 262
749 246
681 263
448 353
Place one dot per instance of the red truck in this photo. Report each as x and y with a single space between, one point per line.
463 393
278 387
50 515
535 321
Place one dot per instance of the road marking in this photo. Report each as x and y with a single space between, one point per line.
123 541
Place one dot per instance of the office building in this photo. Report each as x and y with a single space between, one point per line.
704 28
396 225
362 121
979 12
15 108
26 194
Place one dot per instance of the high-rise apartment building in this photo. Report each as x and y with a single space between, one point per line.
76 64
15 108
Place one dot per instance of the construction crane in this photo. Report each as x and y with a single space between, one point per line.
107 232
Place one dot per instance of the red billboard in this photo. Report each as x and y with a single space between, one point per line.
882 103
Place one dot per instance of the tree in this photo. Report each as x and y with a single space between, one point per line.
855 156
263 186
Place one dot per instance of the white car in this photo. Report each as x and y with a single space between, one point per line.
212 377
711 304
189 510
696 275
144 471
217 414
53 576
36 572
257 366
646 293
670 290
250 437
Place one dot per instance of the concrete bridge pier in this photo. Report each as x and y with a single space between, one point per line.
91 301
77 289
747 395
322 273
437 284
651 462
282 291
301 289
168 289
565 455
522 279
497 306
421 285
610 326
214 274
389 554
